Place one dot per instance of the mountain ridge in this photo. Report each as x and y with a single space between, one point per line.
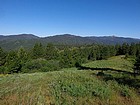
70 35
10 42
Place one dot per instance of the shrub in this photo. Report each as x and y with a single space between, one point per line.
39 65
3 70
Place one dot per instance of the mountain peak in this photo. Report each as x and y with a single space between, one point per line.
67 35
27 35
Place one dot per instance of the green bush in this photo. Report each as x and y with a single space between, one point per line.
3 70
39 65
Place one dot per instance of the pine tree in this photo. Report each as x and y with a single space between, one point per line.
98 53
51 52
138 50
137 66
38 51
125 48
118 49
12 62
92 55
133 49
77 59
2 57
66 59
105 52
112 50
22 54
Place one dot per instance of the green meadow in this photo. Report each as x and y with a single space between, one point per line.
72 86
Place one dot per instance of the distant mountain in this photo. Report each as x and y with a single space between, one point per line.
28 40
15 41
20 36
67 39
113 40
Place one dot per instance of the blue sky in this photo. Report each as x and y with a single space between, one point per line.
78 17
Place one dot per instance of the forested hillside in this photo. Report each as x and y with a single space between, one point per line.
51 57
14 42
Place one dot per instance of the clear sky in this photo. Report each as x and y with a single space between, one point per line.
78 17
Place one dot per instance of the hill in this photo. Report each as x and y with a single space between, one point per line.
68 39
113 40
73 87
16 41
28 40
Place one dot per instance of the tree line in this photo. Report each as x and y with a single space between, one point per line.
50 57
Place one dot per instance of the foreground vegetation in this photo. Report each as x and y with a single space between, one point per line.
71 86
68 75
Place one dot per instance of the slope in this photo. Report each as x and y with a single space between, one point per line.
70 86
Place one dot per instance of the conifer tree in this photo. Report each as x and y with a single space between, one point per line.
38 51
105 52
137 66
133 49
66 59
2 57
125 48
12 62
51 52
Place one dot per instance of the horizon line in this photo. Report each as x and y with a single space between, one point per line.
95 35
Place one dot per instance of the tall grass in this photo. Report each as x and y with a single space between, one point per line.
68 87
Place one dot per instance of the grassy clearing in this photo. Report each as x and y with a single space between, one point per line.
117 62
71 87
